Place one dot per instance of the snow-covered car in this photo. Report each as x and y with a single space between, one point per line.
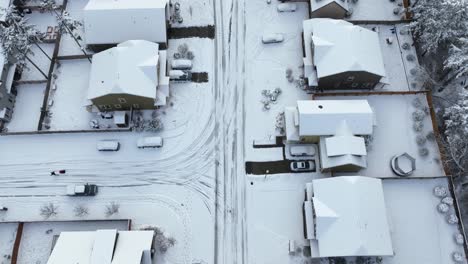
108 145
303 166
150 142
272 38
82 190
181 64
287 7
301 150
180 75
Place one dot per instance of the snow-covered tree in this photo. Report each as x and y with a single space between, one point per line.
439 22
456 123
457 59
17 38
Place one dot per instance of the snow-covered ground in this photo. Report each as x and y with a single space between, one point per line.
266 66
8 236
68 46
380 10
394 134
27 108
420 234
31 251
195 13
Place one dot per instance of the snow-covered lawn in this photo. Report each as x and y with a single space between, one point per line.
395 56
68 109
380 10
7 238
420 234
27 108
394 134
37 238
274 212
266 66
68 46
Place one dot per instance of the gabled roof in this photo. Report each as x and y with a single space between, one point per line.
337 46
323 117
317 4
351 217
115 21
130 68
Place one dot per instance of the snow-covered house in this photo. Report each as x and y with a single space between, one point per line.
7 95
131 75
103 246
346 216
329 8
312 119
109 22
340 55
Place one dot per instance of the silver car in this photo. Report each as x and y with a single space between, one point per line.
302 166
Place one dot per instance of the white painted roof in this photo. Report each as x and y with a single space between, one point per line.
129 68
130 246
97 247
115 21
323 117
103 248
351 218
317 4
340 46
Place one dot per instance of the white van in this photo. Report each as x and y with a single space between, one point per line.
150 142
108 145
302 150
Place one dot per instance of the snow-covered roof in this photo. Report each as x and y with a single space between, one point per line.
323 117
343 149
339 46
129 68
102 246
317 4
115 21
351 218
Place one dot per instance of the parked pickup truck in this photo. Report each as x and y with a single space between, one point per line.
82 190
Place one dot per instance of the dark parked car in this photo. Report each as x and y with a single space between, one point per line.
82 190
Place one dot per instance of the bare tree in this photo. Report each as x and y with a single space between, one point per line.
112 208
81 211
49 210
162 240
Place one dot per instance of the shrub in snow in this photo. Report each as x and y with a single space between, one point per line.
452 219
81 211
405 46
270 97
457 59
112 208
190 55
177 55
443 208
458 257
162 240
182 49
48 210
280 126
459 239
289 75
368 142
421 140
418 126
423 152
448 200
440 191
410 57
430 136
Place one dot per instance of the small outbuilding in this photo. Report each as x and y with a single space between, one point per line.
132 75
329 8
347 216
340 55
109 22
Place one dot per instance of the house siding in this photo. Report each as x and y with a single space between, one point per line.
112 102
332 10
